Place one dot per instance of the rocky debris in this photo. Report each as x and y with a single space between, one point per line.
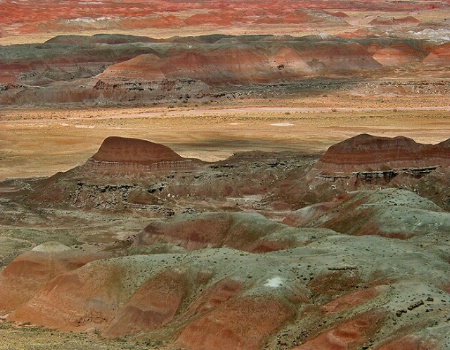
146 183
404 86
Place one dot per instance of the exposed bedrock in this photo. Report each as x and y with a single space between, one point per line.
243 64
334 275
111 69
389 212
371 162
337 289
375 153
116 149
244 231
30 271
129 174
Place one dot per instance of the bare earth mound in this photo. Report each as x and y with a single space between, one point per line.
337 278
179 295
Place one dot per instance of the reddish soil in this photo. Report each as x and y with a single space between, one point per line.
277 246
439 55
35 17
347 335
217 230
31 271
351 300
153 305
226 279
397 55
240 324
409 343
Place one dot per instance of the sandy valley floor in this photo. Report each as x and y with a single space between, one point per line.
42 142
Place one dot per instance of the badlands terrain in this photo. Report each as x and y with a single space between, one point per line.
207 175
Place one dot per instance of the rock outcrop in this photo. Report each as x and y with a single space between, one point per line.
439 55
242 64
108 69
337 277
388 212
117 163
116 149
397 55
248 232
373 162
367 153
120 155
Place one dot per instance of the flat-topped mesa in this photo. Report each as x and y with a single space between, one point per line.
126 152
367 153
117 149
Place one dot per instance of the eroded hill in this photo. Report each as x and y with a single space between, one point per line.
260 251
136 70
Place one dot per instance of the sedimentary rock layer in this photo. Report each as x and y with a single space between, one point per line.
365 153
116 149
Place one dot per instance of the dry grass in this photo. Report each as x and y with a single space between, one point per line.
39 338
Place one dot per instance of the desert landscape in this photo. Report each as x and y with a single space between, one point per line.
230 175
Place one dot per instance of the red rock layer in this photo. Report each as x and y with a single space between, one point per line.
216 230
409 342
439 55
89 296
396 55
127 150
350 300
347 335
371 153
32 17
244 64
241 324
152 306
29 272
225 299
